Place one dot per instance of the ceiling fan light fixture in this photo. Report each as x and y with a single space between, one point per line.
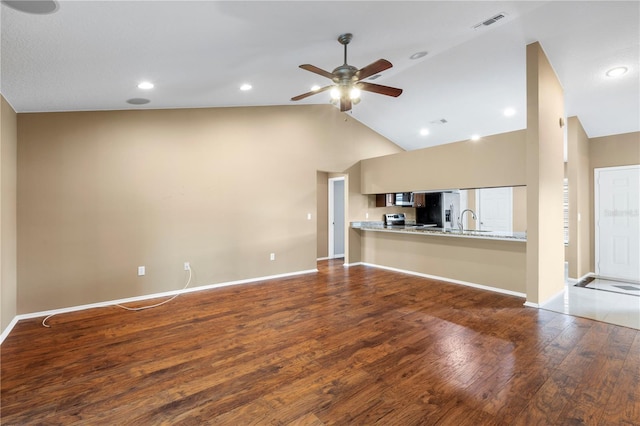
146 85
348 81
245 87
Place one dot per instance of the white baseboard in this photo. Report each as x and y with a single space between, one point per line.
7 330
322 258
40 314
450 280
540 305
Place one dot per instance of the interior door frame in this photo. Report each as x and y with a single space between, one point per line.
596 211
331 227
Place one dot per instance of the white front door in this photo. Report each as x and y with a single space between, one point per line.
617 222
495 209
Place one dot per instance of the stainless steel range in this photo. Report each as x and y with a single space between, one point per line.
394 219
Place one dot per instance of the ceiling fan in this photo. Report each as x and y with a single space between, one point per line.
347 80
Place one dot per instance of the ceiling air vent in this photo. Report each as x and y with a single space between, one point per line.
490 21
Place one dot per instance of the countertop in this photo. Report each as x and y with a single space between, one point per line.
440 232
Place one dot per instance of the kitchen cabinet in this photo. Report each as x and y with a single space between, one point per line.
419 199
385 200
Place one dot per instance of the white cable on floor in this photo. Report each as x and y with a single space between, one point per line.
161 303
44 321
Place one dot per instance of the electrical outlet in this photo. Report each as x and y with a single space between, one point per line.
187 266
366 215
308 216
272 256
141 271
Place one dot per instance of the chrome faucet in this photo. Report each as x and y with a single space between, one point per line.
473 215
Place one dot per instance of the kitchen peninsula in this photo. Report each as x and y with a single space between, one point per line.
490 260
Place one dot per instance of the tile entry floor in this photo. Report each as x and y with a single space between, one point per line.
600 305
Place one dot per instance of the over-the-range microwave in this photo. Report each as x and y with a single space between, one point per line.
404 199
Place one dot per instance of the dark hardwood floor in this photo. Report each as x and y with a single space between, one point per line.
344 346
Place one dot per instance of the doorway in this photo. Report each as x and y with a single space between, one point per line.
617 223
336 217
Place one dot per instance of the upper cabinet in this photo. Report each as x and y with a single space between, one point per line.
419 199
385 200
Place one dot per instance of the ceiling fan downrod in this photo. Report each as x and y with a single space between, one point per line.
344 39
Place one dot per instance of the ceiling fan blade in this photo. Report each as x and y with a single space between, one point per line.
377 88
316 70
345 104
313 92
373 68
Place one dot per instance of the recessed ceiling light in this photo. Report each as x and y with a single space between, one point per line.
617 71
424 132
34 7
315 87
475 137
418 55
509 112
145 85
245 87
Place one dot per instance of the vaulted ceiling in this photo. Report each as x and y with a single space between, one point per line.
90 55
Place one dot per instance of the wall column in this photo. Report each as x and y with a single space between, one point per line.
8 176
544 175
579 255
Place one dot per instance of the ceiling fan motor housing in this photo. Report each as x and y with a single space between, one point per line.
345 74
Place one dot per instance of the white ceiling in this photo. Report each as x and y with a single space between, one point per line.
90 55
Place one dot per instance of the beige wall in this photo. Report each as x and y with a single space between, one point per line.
545 173
578 249
497 264
520 209
8 158
458 165
100 193
609 151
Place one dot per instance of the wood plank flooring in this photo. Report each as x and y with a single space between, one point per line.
344 346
